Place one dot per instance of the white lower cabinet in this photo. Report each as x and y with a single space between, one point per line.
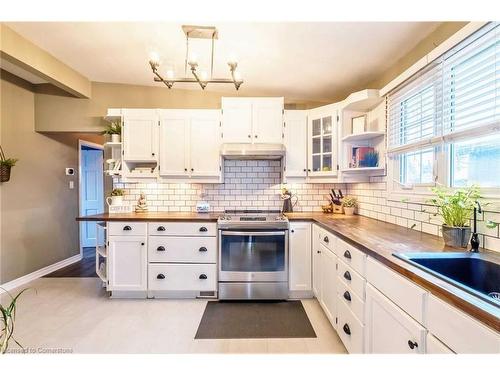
350 329
127 267
316 261
329 284
434 346
193 278
389 330
300 268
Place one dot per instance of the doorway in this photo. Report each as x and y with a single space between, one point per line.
91 192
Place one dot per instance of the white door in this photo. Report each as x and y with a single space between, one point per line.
127 268
174 143
389 330
236 120
204 143
140 135
296 143
267 120
92 195
329 284
300 256
316 267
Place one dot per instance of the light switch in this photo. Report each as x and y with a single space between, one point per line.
71 184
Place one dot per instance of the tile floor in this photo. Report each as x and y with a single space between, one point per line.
75 314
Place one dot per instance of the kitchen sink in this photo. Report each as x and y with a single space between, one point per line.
476 273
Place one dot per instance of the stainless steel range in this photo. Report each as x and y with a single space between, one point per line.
253 255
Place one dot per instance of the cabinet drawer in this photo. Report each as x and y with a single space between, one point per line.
460 332
400 290
182 249
328 239
182 277
352 279
351 256
127 229
183 229
350 330
352 301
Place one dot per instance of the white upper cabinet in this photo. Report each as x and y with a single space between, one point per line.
296 143
323 141
189 143
252 120
140 135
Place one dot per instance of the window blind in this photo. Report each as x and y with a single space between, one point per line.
471 84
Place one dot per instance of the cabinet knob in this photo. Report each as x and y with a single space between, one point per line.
347 275
293 230
160 248
203 229
347 296
305 170
185 169
256 136
412 344
346 329
202 249
152 154
318 251
326 239
347 254
142 243
203 277
161 228
192 169
249 136
127 227
160 276
309 170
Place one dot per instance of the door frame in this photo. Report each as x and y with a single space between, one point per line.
96 146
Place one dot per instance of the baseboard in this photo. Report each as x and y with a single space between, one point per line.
41 272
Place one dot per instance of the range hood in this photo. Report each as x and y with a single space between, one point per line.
258 151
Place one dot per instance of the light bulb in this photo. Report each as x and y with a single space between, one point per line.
193 59
154 57
232 59
203 76
170 74
237 76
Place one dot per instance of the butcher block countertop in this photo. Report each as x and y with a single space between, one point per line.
377 239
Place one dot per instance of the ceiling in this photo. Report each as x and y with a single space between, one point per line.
303 61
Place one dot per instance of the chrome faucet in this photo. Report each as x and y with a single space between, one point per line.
474 241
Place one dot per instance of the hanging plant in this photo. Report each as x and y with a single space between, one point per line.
5 166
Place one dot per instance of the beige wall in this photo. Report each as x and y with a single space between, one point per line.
38 209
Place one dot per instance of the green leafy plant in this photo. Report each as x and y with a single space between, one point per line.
117 192
8 162
349 201
7 319
370 159
455 206
113 128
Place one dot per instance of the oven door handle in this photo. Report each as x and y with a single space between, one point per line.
269 233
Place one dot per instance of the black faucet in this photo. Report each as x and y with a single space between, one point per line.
474 241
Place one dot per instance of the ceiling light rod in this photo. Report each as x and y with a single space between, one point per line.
198 32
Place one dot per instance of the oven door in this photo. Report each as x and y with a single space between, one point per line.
246 256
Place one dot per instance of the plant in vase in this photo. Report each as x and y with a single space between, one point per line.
116 198
6 165
370 159
7 320
455 207
114 130
349 204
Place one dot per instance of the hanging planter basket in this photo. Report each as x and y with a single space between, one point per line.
5 166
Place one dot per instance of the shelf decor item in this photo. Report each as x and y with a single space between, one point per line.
349 203
358 124
114 130
455 207
142 204
370 159
359 156
116 198
5 166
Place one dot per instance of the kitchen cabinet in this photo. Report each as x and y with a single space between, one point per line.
316 260
434 346
329 284
189 143
322 142
295 130
300 272
252 120
140 135
127 257
390 330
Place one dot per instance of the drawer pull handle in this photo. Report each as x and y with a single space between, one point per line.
127 227
161 228
412 344
203 277
347 254
203 249
347 275
160 276
347 296
326 239
203 229
346 329
160 248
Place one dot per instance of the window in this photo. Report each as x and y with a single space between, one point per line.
444 123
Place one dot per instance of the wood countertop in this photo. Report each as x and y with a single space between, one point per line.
377 239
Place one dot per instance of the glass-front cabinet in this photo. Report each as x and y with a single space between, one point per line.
322 150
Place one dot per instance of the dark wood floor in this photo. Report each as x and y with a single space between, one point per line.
83 268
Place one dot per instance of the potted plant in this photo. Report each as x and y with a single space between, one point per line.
5 166
7 319
116 198
370 159
349 203
114 130
455 207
